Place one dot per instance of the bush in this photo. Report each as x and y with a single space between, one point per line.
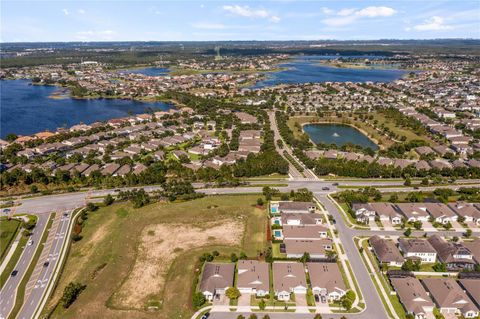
70 293
198 299
108 200
260 201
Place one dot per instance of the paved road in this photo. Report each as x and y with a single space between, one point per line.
42 274
285 315
9 291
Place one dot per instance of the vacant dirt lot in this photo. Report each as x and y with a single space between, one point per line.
159 246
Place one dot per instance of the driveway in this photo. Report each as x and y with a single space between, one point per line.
427 226
457 226
221 303
244 302
387 225
301 303
373 225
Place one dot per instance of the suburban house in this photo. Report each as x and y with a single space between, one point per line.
295 248
450 297
216 279
387 212
470 212
472 289
288 278
313 232
455 255
296 219
363 212
414 212
474 247
441 213
413 297
296 207
419 249
326 280
386 251
253 277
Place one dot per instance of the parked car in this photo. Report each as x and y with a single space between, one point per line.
205 316
335 184
30 242
45 264
14 273
317 298
325 188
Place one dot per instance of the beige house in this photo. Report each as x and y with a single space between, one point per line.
288 278
253 277
326 280
413 297
216 279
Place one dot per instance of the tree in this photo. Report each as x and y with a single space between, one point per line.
252 316
11 137
108 200
318 316
91 207
417 225
240 317
262 304
70 293
468 233
233 257
440 267
266 317
447 226
408 182
232 293
198 299
408 232
305 258
33 189
260 201
410 265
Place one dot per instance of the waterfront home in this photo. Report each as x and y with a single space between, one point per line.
386 251
326 280
253 277
450 298
455 255
288 278
417 249
216 279
413 297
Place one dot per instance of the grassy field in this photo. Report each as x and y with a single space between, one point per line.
8 230
112 247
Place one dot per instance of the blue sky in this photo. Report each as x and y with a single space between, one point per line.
110 20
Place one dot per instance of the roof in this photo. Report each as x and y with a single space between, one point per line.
385 250
416 245
304 219
312 247
282 206
447 250
217 276
302 231
465 209
325 275
412 294
253 274
439 210
413 210
288 275
474 247
448 294
472 287
386 209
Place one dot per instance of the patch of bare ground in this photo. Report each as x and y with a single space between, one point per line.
156 254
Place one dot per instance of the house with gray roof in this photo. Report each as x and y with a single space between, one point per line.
296 248
253 277
386 251
450 297
296 207
387 211
326 280
468 211
455 255
216 279
472 289
417 249
288 278
413 296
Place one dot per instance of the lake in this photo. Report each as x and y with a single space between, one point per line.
148 71
306 69
338 134
27 109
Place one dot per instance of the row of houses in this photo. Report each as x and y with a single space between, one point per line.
253 277
412 212
419 297
456 255
300 229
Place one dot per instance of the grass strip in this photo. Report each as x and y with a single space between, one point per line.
13 261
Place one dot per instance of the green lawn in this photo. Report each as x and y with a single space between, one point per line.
8 231
111 239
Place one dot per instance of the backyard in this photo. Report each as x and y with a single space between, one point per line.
137 261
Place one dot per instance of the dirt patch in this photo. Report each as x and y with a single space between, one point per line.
156 254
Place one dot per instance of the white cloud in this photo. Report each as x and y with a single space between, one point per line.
246 11
435 23
274 19
81 11
208 26
348 15
373 12
66 12
327 11
103 35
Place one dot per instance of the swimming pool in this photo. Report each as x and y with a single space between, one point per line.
274 209
276 222
277 233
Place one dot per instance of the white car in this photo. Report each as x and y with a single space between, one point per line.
30 242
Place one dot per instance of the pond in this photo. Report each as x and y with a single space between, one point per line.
338 134
151 71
